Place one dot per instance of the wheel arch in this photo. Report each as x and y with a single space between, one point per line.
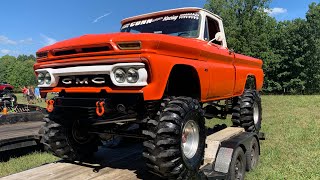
183 81
251 82
243 147
257 138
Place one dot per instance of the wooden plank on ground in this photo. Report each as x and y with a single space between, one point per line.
119 163
19 135
124 162
19 129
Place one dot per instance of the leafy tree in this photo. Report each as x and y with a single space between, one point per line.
312 56
17 71
246 24
290 44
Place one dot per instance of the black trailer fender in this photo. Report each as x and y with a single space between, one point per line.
219 168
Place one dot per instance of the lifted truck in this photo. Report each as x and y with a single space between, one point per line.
165 72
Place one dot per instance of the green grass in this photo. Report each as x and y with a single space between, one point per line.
291 149
14 165
23 100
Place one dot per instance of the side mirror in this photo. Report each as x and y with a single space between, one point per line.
218 37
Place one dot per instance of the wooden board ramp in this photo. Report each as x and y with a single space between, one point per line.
213 142
18 135
123 162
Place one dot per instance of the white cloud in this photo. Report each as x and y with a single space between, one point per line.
5 51
48 40
275 11
6 40
26 41
97 19
10 52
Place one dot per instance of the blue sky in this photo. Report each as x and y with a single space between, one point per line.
26 26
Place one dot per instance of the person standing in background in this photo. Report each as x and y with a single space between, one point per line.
28 94
37 94
24 91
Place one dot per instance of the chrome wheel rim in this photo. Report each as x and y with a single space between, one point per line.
238 168
190 139
253 155
255 113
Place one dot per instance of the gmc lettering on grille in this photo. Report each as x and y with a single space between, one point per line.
81 81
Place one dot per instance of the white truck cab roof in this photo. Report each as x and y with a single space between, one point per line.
210 25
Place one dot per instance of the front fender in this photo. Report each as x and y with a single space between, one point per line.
161 67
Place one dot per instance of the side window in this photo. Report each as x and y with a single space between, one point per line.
212 28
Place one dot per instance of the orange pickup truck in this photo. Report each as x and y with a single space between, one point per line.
163 73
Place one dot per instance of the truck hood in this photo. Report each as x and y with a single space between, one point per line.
155 43
85 40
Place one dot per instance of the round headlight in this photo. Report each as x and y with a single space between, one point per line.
132 75
120 75
40 78
47 78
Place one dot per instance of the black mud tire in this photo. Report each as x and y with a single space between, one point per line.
247 111
13 99
163 149
59 141
252 155
238 165
10 99
7 91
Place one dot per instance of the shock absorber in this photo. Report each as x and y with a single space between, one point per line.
91 114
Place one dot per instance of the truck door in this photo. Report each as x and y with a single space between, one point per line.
220 63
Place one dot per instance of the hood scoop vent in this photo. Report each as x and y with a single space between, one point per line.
81 50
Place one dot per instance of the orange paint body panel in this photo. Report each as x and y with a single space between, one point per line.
222 74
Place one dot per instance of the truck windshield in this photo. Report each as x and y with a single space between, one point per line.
185 25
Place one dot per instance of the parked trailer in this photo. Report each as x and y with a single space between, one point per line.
226 151
20 127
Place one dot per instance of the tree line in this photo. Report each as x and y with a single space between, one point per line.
290 50
18 71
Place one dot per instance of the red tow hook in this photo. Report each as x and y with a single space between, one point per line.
100 108
50 105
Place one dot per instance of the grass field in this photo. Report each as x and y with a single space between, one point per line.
22 100
291 149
